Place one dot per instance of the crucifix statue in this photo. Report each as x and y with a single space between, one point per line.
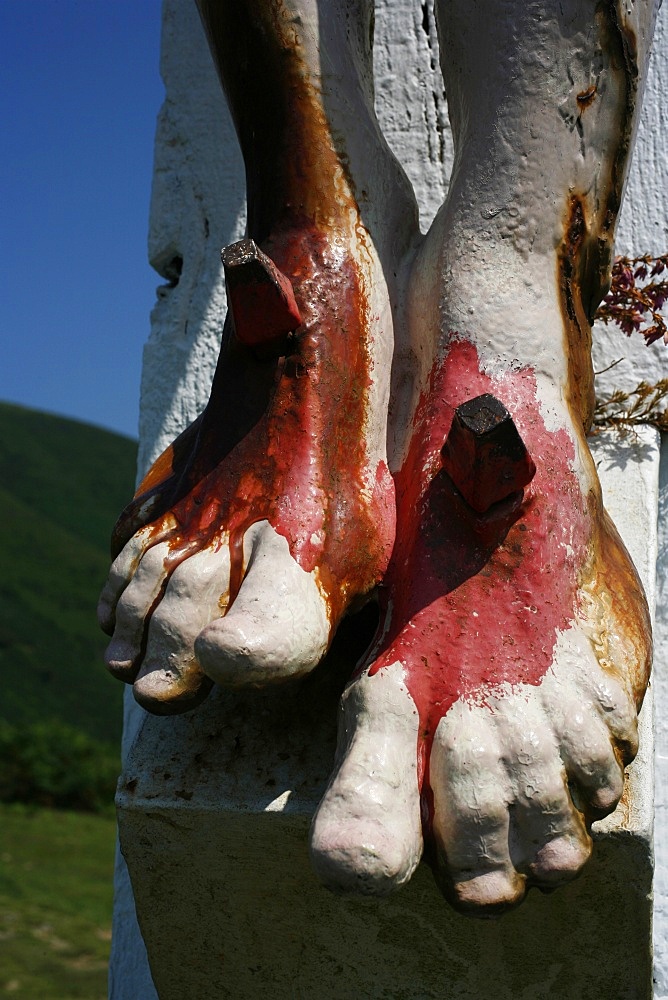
402 418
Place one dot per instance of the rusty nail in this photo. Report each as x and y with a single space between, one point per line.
484 454
260 298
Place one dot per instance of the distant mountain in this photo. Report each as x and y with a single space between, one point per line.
62 485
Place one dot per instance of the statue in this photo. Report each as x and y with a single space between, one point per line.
404 417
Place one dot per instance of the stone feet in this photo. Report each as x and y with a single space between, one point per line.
253 534
493 720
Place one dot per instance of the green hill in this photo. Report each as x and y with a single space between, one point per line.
62 485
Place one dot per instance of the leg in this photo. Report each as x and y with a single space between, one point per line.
258 528
519 639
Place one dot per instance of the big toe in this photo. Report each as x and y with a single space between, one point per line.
277 626
366 835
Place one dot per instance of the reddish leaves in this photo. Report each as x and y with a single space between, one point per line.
635 300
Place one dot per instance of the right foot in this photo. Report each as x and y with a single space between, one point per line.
265 522
498 710
498 713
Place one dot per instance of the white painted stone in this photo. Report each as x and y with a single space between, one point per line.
264 892
197 207
214 815
129 973
660 684
643 226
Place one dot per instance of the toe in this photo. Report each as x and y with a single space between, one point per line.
596 729
471 822
559 859
134 606
366 835
603 693
277 626
595 773
548 837
122 571
170 679
489 894
618 712
164 691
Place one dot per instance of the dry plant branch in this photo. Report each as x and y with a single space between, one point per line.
623 411
635 300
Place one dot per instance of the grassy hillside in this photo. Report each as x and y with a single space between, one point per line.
62 485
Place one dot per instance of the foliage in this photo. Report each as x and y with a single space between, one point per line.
634 303
55 903
62 485
51 764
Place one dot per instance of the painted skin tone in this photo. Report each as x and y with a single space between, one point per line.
491 723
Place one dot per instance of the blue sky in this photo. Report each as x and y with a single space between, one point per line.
79 93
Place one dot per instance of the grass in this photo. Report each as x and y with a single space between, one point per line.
55 904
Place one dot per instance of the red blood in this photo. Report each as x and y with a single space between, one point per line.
474 608
303 464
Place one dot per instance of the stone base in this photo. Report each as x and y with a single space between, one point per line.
214 809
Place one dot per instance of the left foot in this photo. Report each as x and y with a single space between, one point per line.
267 538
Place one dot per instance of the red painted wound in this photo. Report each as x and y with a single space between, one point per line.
473 609
303 465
